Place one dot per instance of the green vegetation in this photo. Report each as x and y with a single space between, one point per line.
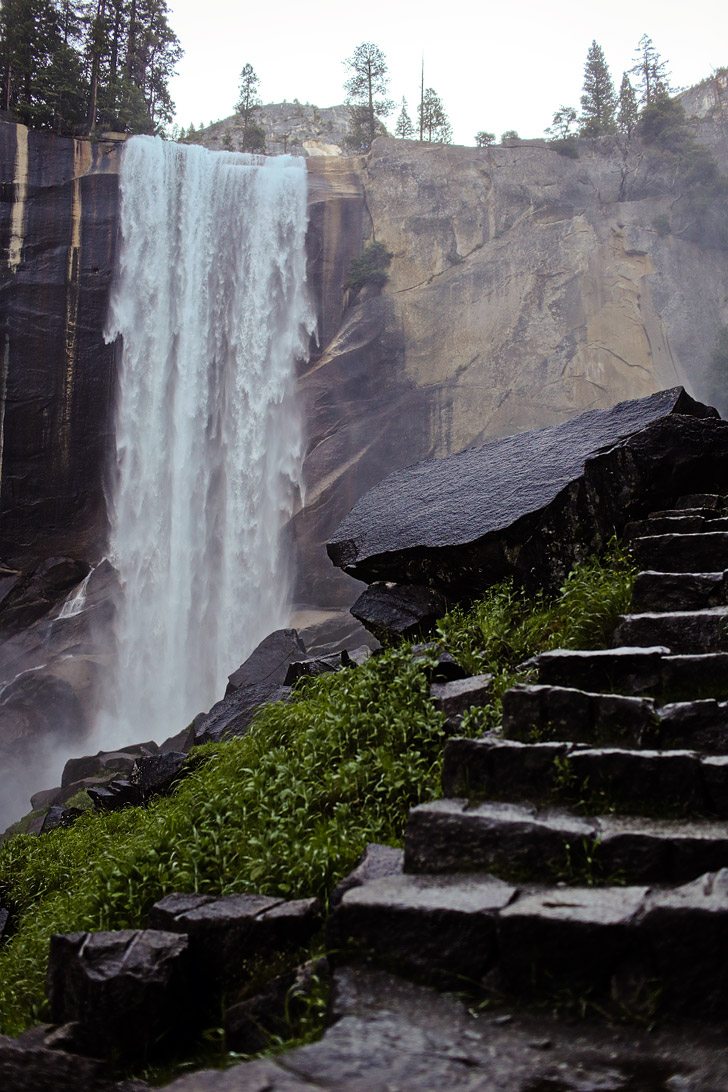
404 129
247 106
562 124
287 809
506 626
433 121
598 101
369 267
662 225
366 89
77 65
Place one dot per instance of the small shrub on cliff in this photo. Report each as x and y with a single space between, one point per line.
567 147
369 267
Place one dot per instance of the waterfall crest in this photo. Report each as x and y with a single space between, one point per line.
210 300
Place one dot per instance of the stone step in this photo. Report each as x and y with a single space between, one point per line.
517 841
668 784
677 524
614 944
678 513
533 713
705 552
712 501
638 671
658 591
686 631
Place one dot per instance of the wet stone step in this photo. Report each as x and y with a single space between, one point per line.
667 784
677 513
637 671
623 670
443 927
520 841
534 713
705 552
620 943
712 501
615 943
683 523
658 591
537 712
684 631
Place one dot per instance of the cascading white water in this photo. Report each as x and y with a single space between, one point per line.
210 300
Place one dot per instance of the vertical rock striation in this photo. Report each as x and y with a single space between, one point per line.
58 222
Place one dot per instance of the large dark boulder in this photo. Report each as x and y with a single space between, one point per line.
530 505
126 989
269 662
233 715
229 935
398 610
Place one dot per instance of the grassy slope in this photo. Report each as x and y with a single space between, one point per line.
287 809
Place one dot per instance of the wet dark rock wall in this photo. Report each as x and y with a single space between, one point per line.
58 230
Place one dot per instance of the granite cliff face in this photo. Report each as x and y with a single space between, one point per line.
525 287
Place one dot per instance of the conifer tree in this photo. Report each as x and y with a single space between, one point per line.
561 123
598 101
653 78
404 127
365 90
77 65
627 112
434 123
247 105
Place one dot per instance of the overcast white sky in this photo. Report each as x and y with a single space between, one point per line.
495 67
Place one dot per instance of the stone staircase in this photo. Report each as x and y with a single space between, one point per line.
581 854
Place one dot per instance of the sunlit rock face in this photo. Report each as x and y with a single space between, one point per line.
525 288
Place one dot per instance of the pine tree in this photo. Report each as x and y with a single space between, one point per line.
247 105
627 112
434 123
483 139
561 123
78 65
404 127
365 91
653 78
598 101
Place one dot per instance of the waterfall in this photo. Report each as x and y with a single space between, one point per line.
210 301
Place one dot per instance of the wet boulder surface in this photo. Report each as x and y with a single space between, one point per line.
529 505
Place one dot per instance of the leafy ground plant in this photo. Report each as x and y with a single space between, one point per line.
507 626
287 809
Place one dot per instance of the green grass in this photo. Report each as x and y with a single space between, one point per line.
288 809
